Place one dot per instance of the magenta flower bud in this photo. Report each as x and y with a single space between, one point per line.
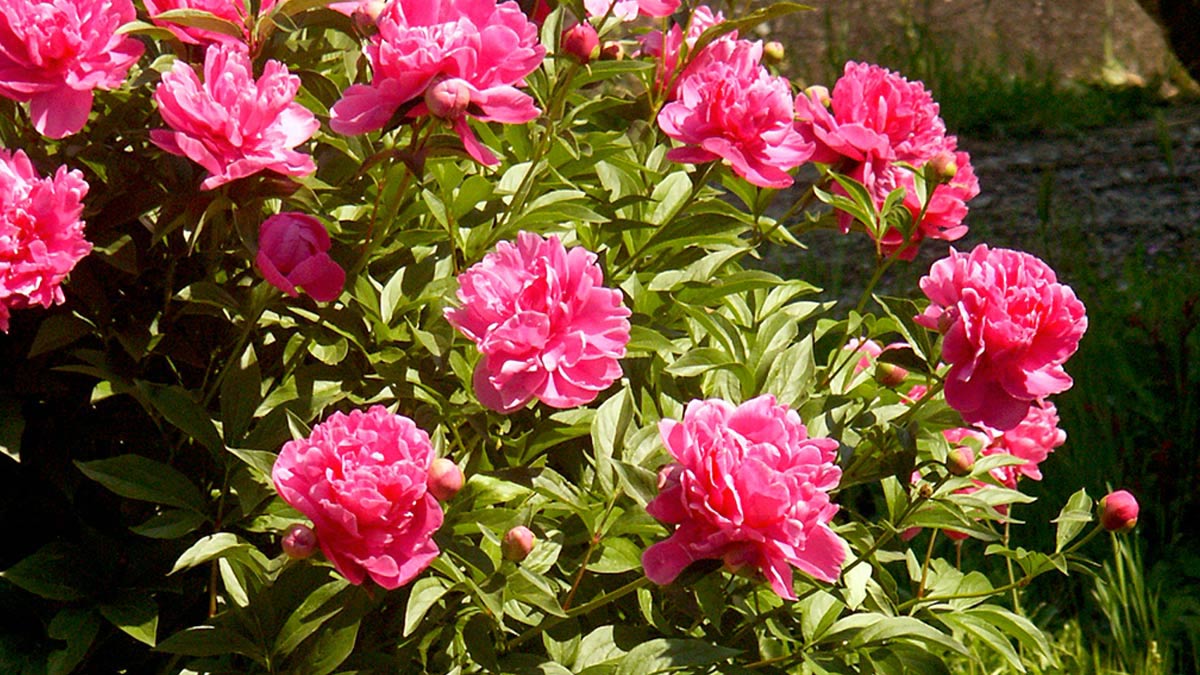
445 479
580 42
773 52
960 461
945 165
889 374
448 98
1118 511
299 542
517 543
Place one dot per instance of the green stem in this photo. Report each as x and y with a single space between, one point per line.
592 544
586 607
925 565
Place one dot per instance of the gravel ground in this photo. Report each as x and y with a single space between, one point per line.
1117 191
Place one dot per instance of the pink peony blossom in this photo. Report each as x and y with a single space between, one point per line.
623 10
361 478
658 8
487 48
54 53
730 108
233 11
293 250
1009 326
41 235
748 487
873 113
1033 439
544 323
232 125
667 46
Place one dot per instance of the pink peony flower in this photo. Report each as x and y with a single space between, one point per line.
360 478
666 46
748 487
1119 511
874 113
623 10
730 108
545 324
41 235
658 8
232 125
233 11
488 49
1009 326
54 53
1032 440
293 250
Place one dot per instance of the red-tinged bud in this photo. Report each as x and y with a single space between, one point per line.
889 374
821 94
517 543
299 542
448 98
580 42
1118 511
445 479
944 165
960 461
773 52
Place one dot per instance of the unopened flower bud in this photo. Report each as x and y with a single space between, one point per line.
580 42
365 18
445 479
517 543
448 98
925 490
612 51
820 94
1118 511
299 542
773 52
960 461
889 374
944 165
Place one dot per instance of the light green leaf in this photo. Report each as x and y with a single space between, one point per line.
425 593
661 655
1072 519
145 479
137 615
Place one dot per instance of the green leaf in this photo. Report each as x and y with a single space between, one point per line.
220 545
661 655
321 605
137 615
888 628
178 407
207 641
55 571
78 627
170 524
144 479
57 331
1072 519
748 22
12 426
425 593
670 195
1019 627
608 435
527 587
700 361
195 18
241 394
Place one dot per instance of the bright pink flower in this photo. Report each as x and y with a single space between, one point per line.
544 323
54 53
489 48
232 125
730 108
748 487
1119 511
624 10
41 235
233 11
658 8
1032 440
667 47
874 113
869 349
361 479
1009 326
293 250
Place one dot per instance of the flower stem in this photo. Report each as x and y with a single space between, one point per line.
586 607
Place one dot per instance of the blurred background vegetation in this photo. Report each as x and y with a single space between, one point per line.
1060 81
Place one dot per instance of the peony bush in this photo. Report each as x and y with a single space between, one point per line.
427 336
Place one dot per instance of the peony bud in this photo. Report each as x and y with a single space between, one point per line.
944 165
773 52
960 461
1118 511
299 542
821 94
612 51
517 543
445 479
448 98
580 42
889 374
